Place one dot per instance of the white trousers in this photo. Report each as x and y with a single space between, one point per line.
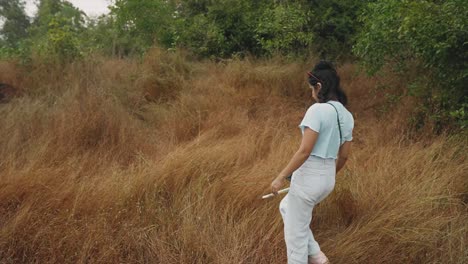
310 184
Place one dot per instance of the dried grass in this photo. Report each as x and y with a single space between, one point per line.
94 170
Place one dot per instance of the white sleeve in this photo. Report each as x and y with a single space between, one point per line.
348 135
312 118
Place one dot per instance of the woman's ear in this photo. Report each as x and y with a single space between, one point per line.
319 86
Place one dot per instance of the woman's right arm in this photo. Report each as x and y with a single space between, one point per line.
343 155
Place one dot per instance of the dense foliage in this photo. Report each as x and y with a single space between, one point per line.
226 27
15 23
219 28
425 40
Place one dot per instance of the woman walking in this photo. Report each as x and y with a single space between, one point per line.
326 134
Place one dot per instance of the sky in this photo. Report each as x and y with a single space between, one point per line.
90 7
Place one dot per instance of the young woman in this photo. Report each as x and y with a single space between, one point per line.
326 134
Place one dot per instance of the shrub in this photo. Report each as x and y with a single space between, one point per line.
283 29
426 41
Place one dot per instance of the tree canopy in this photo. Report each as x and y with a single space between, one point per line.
426 36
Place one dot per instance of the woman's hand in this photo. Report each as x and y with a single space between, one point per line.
276 185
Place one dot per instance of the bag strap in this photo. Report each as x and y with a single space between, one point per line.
338 119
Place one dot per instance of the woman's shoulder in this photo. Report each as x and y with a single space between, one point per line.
320 109
344 111
343 107
314 107
319 106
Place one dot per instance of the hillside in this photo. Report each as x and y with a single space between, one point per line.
165 161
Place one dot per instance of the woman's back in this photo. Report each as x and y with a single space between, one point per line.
321 117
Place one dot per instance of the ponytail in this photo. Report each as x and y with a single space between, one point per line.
325 73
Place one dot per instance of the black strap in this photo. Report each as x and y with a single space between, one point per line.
338 119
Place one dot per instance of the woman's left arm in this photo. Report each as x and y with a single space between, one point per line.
307 145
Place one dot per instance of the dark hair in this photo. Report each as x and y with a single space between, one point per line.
325 73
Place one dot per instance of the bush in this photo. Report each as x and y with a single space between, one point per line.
61 42
426 41
334 25
219 28
283 29
201 36
144 22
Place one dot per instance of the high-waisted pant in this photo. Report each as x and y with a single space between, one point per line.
310 184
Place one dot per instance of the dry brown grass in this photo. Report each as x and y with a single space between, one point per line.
164 161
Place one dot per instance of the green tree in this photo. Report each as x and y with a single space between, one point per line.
49 10
218 28
334 24
144 22
208 28
103 35
222 28
56 31
201 35
15 22
283 28
429 36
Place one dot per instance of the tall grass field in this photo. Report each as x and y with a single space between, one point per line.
164 159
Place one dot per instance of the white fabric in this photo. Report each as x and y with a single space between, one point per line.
310 184
321 117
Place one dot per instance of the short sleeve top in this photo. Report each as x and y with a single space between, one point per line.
321 117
